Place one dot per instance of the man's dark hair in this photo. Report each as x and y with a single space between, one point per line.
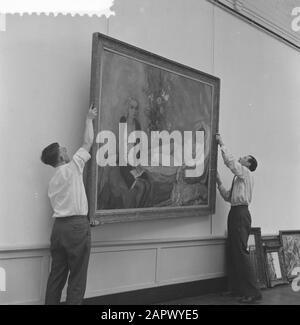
253 163
50 154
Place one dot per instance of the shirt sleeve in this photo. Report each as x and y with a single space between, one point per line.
80 157
236 168
224 193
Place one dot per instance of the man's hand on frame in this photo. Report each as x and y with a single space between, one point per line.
92 113
219 140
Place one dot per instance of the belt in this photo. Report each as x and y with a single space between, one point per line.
240 206
70 217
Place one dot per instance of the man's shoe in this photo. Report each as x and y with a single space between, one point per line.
250 299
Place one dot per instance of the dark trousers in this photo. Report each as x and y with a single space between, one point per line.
240 271
70 253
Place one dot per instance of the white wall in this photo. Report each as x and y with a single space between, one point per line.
45 77
44 92
44 85
260 115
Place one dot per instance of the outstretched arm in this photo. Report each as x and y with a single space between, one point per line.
236 168
88 136
224 193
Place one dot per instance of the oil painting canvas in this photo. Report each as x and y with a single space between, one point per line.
172 111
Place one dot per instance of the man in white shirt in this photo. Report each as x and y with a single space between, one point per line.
240 271
71 237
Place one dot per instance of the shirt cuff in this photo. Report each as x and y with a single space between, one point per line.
83 154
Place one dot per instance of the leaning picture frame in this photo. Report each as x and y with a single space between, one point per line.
270 241
256 254
146 94
290 241
275 267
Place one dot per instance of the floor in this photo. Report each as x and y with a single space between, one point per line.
279 295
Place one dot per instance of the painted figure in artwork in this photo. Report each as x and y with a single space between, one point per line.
148 99
127 186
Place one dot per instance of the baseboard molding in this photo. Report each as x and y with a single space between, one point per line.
161 294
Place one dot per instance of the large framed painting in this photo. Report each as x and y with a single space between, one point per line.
290 240
155 153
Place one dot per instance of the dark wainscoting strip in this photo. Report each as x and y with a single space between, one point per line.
161 294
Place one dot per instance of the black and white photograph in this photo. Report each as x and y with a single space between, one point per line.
150 154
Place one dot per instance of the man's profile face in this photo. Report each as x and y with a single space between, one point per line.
244 161
63 155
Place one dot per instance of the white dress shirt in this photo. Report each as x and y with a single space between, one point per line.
241 192
66 189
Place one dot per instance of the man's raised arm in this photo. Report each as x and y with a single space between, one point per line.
229 160
88 137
